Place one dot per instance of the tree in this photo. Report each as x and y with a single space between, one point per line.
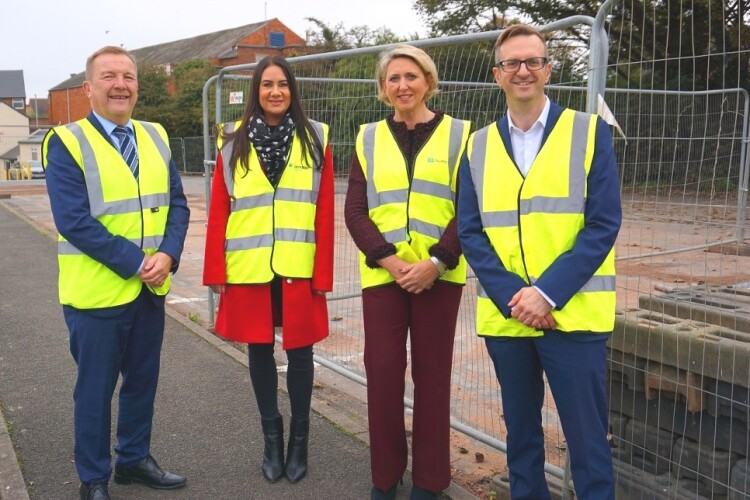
181 113
658 44
327 38
152 85
155 103
456 17
189 79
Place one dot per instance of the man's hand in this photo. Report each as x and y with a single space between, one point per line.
530 308
156 269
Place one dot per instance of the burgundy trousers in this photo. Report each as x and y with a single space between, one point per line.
428 320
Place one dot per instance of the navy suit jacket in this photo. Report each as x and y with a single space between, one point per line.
572 269
69 201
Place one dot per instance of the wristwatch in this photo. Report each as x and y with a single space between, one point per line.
440 266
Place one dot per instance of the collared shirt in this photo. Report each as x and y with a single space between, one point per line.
526 144
109 127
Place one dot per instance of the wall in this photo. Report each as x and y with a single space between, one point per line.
68 105
255 46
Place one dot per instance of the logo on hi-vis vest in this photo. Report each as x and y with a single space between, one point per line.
299 166
430 159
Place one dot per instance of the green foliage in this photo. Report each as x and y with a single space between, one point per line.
331 38
152 86
680 46
181 113
456 17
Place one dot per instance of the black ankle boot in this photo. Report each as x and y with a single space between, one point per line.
296 456
273 451
418 493
389 494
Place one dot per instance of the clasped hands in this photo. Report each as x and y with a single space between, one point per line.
156 269
413 277
530 308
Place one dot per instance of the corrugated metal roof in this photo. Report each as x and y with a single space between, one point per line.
201 47
12 84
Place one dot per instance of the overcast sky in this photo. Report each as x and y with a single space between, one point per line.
50 39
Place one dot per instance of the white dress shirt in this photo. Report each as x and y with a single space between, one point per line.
526 146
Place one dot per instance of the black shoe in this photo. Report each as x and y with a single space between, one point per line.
390 494
296 457
148 472
418 493
94 491
273 451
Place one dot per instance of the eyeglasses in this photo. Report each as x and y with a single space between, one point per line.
513 65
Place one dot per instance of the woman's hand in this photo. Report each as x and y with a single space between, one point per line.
418 277
394 265
219 289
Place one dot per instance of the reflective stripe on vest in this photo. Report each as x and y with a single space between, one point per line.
531 221
411 214
134 210
271 231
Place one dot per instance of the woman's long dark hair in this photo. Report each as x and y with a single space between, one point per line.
311 143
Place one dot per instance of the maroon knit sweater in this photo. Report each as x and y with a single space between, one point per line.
365 233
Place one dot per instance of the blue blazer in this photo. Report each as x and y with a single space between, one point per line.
69 201
568 273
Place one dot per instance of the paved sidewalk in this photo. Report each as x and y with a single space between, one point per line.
206 424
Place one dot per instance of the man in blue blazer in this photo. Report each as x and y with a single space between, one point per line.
538 215
122 217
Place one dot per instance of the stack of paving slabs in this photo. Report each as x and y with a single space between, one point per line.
679 394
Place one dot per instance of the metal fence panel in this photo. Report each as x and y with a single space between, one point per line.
679 365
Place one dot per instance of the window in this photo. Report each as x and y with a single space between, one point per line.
277 39
18 103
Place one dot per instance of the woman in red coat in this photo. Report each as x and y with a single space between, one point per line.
269 250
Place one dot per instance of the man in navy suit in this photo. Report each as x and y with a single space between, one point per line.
538 215
122 217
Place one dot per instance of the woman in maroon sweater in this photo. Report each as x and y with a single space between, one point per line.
400 211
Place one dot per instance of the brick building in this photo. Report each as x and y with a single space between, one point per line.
242 45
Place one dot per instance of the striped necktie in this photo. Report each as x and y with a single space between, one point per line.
127 149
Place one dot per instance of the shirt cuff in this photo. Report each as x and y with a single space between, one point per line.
551 302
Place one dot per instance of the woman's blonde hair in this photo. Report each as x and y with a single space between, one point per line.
420 58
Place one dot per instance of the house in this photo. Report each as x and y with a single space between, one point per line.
38 112
241 45
30 148
14 127
13 89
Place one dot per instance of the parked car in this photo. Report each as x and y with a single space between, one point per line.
37 170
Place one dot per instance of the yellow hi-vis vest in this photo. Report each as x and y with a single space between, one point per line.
271 232
531 221
411 214
135 210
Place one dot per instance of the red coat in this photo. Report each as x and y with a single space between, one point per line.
245 311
